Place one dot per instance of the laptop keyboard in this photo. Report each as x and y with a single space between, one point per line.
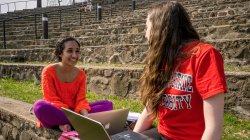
120 137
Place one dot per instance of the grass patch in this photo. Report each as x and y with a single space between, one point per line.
27 91
235 129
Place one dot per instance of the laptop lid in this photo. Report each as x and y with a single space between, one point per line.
113 121
87 128
90 129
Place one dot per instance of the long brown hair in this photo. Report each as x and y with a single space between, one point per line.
171 26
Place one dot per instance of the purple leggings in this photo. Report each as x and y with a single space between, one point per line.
50 116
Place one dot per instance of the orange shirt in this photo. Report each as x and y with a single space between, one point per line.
69 95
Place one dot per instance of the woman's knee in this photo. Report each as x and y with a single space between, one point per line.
40 105
102 105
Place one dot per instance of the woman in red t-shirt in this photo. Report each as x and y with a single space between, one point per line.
64 85
183 83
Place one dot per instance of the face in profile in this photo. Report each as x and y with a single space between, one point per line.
71 53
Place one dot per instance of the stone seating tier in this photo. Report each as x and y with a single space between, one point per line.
233 51
238 30
123 81
146 3
17 123
233 11
194 14
213 32
114 50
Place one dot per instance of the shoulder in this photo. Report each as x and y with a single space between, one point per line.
49 68
81 72
206 49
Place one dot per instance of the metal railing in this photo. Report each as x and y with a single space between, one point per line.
30 4
15 4
59 11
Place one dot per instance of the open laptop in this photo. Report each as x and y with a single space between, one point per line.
90 129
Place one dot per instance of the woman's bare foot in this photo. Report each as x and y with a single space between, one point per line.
65 127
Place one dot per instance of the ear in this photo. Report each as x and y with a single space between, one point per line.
60 55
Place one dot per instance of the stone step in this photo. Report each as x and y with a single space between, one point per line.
23 43
31 24
138 4
18 123
233 21
211 15
233 51
69 14
204 3
85 41
12 58
123 81
116 9
213 32
76 25
220 21
29 34
221 31
225 31
24 36
200 11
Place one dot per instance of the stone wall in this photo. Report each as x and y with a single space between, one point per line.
16 123
123 54
123 82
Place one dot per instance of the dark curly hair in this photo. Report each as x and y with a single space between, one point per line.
60 46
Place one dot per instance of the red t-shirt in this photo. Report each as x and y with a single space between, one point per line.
197 77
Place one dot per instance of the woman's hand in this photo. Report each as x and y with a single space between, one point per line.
65 127
84 112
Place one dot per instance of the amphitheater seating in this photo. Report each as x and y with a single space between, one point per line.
114 49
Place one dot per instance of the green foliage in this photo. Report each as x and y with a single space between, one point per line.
27 91
24 91
235 129
133 105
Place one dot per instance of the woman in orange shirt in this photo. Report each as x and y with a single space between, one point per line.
64 85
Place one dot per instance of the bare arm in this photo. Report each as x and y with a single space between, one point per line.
213 114
144 122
